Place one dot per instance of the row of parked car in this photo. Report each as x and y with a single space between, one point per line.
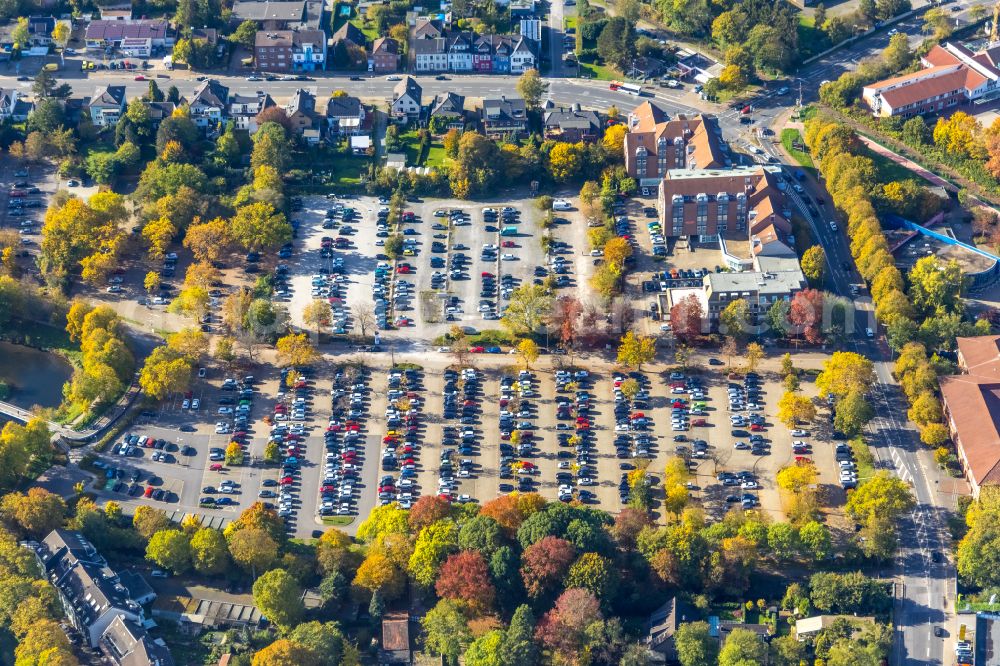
343 458
577 443
401 442
517 432
460 442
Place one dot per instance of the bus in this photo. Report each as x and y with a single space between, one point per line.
630 88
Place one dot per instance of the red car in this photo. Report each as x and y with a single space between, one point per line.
508 244
446 497
403 269
756 427
140 78
402 322
287 481
486 274
802 459
148 492
477 350
699 422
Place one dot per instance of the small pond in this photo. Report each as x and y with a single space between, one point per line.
35 377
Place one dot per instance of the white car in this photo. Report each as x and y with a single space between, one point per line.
561 204
508 257
799 432
393 77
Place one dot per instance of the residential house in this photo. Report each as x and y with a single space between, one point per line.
107 105
244 109
101 35
349 46
427 28
572 125
160 110
811 626
396 639
407 99
346 116
952 75
209 104
40 30
661 627
460 46
125 643
91 593
972 409
272 15
290 50
506 116
13 106
301 111
429 54
385 55
450 108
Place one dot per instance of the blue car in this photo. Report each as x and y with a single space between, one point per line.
492 350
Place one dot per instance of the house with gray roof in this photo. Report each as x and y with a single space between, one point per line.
244 108
506 116
407 99
209 104
107 105
125 643
346 116
572 125
451 108
277 15
92 594
14 106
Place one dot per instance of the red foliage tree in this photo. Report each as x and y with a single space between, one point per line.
566 319
465 577
563 629
806 313
686 317
628 523
544 564
274 114
428 509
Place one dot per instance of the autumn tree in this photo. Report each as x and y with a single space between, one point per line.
209 552
544 564
635 350
37 512
295 350
814 264
253 549
564 628
845 372
528 309
465 577
531 87
805 312
794 408
686 317
427 510
527 351
734 320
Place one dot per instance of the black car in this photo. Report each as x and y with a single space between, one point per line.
356 78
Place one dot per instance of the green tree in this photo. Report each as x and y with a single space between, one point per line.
742 647
324 639
734 320
616 43
433 545
519 643
446 632
853 411
253 549
259 226
527 310
935 286
882 495
209 552
245 34
279 598
171 549
532 88
695 645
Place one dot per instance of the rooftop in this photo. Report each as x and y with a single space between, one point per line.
783 282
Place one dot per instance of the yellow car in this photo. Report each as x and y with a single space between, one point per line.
409 253
52 67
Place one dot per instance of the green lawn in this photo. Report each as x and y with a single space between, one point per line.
889 171
436 157
342 170
570 22
789 137
599 72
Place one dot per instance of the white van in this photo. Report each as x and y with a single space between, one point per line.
561 204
